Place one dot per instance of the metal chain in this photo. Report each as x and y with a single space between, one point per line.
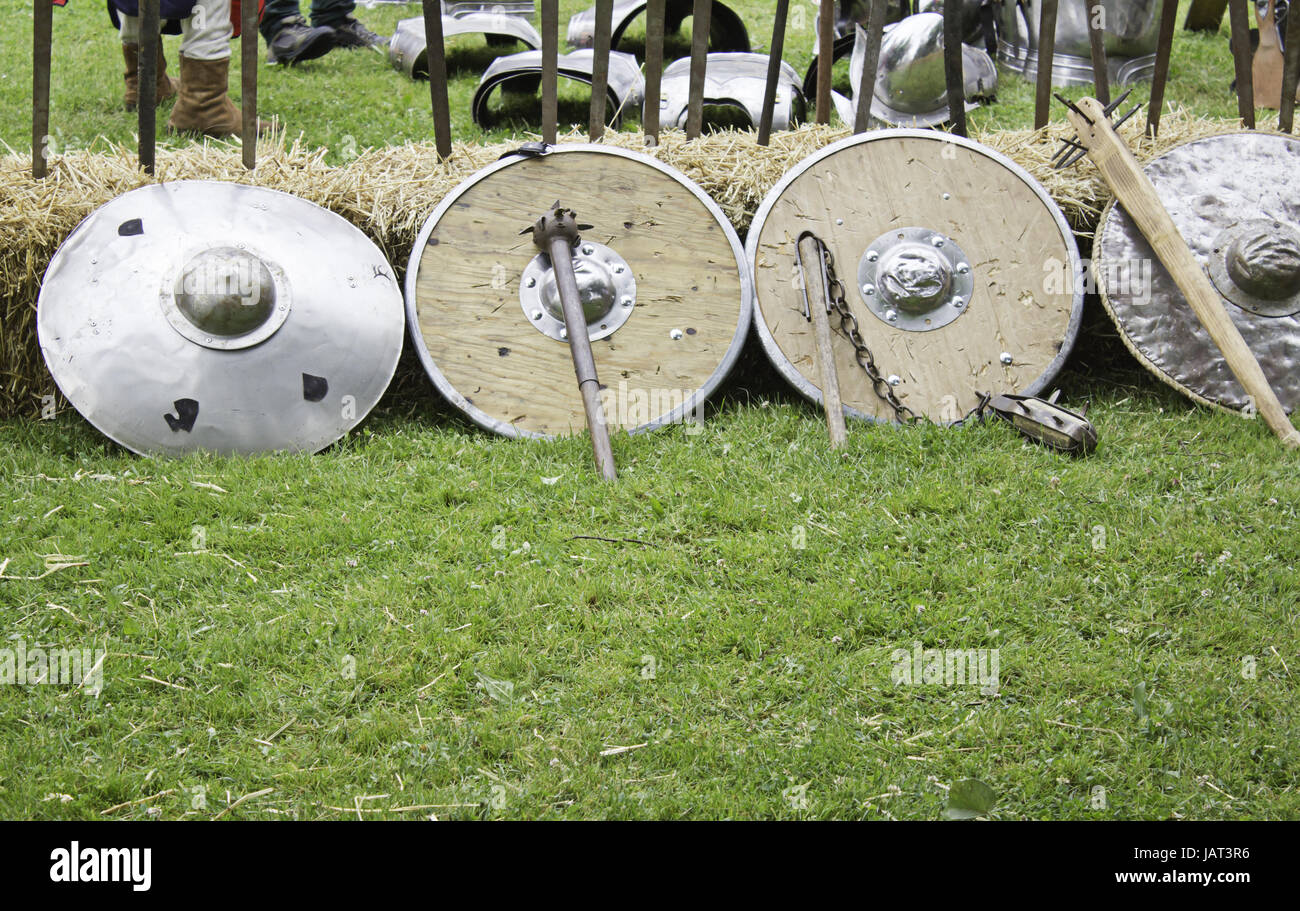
849 327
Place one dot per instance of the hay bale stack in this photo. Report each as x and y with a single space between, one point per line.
389 192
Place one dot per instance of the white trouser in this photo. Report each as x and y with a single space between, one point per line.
205 35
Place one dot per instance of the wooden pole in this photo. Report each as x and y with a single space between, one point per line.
1241 59
816 294
42 34
1097 46
600 68
1046 53
1290 70
773 71
700 23
550 69
436 55
1164 48
1140 200
556 233
1205 15
825 59
654 68
150 35
249 13
952 66
870 63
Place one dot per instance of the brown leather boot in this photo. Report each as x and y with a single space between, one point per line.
203 105
166 85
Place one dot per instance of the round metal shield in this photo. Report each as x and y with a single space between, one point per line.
661 272
1234 201
197 315
961 272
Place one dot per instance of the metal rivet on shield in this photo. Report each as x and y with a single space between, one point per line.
937 240
891 315
537 314
532 283
894 379
587 250
872 256
958 302
868 290
963 268
1006 357
675 334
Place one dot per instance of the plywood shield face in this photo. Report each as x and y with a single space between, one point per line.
1025 300
1232 197
486 356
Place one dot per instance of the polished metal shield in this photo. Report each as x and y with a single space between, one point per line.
522 73
196 315
660 271
1234 200
1132 30
408 49
726 29
960 271
911 87
734 81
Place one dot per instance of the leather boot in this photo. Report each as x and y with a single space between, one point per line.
166 85
203 105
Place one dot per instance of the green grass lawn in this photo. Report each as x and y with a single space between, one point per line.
428 620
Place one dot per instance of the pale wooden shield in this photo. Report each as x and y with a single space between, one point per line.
477 343
1014 332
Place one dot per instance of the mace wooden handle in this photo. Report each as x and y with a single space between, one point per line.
1138 196
814 277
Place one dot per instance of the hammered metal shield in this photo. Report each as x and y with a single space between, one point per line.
1234 200
661 272
197 315
962 273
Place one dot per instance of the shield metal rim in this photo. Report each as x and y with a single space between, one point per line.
806 387
502 428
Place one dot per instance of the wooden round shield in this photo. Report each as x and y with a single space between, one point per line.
1234 201
663 281
962 274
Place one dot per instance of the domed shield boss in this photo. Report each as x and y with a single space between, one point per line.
959 269
660 273
196 315
1233 199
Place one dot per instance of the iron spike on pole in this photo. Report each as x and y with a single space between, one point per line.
1046 51
600 69
871 62
700 25
249 13
654 68
437 57
1164 48
773 71
42 30
550 69
150 36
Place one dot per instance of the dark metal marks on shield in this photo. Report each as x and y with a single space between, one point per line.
220 296
658 260
958 277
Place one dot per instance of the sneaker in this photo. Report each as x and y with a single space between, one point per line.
352 34
296 41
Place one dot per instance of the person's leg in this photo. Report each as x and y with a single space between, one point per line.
129 28
331 13
348 31
203 105
206 34
274 15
